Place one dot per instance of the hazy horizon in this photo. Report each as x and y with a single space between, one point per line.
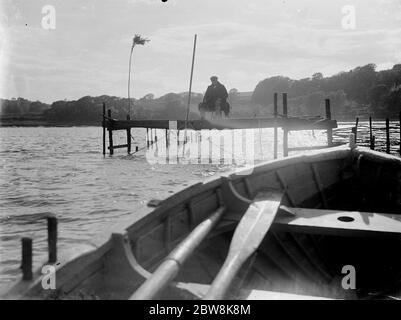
242 42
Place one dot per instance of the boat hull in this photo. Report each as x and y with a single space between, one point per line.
337 236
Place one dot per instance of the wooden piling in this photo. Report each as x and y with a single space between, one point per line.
356 129
26 264
353 131
329 130
400 129
110 134
232 146
136 149
221 147
199 141
387 135
128 137
275 126
372 143
210 147
104 128
285 130
370 134
52 238
178 144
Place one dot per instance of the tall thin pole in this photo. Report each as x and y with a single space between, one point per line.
189 95
129 79
285 130
190 82
104 128
275 126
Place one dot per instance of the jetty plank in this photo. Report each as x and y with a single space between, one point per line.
290 123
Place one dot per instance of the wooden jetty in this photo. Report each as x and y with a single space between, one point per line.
284 121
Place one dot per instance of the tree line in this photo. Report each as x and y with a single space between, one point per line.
360 91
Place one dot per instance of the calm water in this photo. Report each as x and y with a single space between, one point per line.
62 171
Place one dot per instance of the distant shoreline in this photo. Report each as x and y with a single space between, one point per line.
44 123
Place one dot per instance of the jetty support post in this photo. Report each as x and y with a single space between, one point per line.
329 130
387 135
104 128
400 129
147 138
199 142
370 134
232 146
221 147
354 130
275 126
210 147
285 128
128 136
52 238
243 141
167 148
111 148
26 264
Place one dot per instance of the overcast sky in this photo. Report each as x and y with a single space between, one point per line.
240 41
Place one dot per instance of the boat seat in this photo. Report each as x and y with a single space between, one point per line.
275 295
198 290
338 222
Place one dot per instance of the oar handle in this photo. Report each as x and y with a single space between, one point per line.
168 270
224 278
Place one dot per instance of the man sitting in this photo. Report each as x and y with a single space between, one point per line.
215 96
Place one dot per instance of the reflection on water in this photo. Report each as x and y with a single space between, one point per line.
62 171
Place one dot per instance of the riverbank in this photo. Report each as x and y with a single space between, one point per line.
38 120
41 121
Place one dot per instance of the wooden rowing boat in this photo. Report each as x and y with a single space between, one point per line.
336 235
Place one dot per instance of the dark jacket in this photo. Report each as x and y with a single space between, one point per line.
214 92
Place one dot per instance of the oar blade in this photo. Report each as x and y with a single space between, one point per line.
246 239
255 223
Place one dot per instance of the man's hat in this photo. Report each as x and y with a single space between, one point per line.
213 78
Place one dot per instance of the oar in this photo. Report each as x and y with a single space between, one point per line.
171 265
246 239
